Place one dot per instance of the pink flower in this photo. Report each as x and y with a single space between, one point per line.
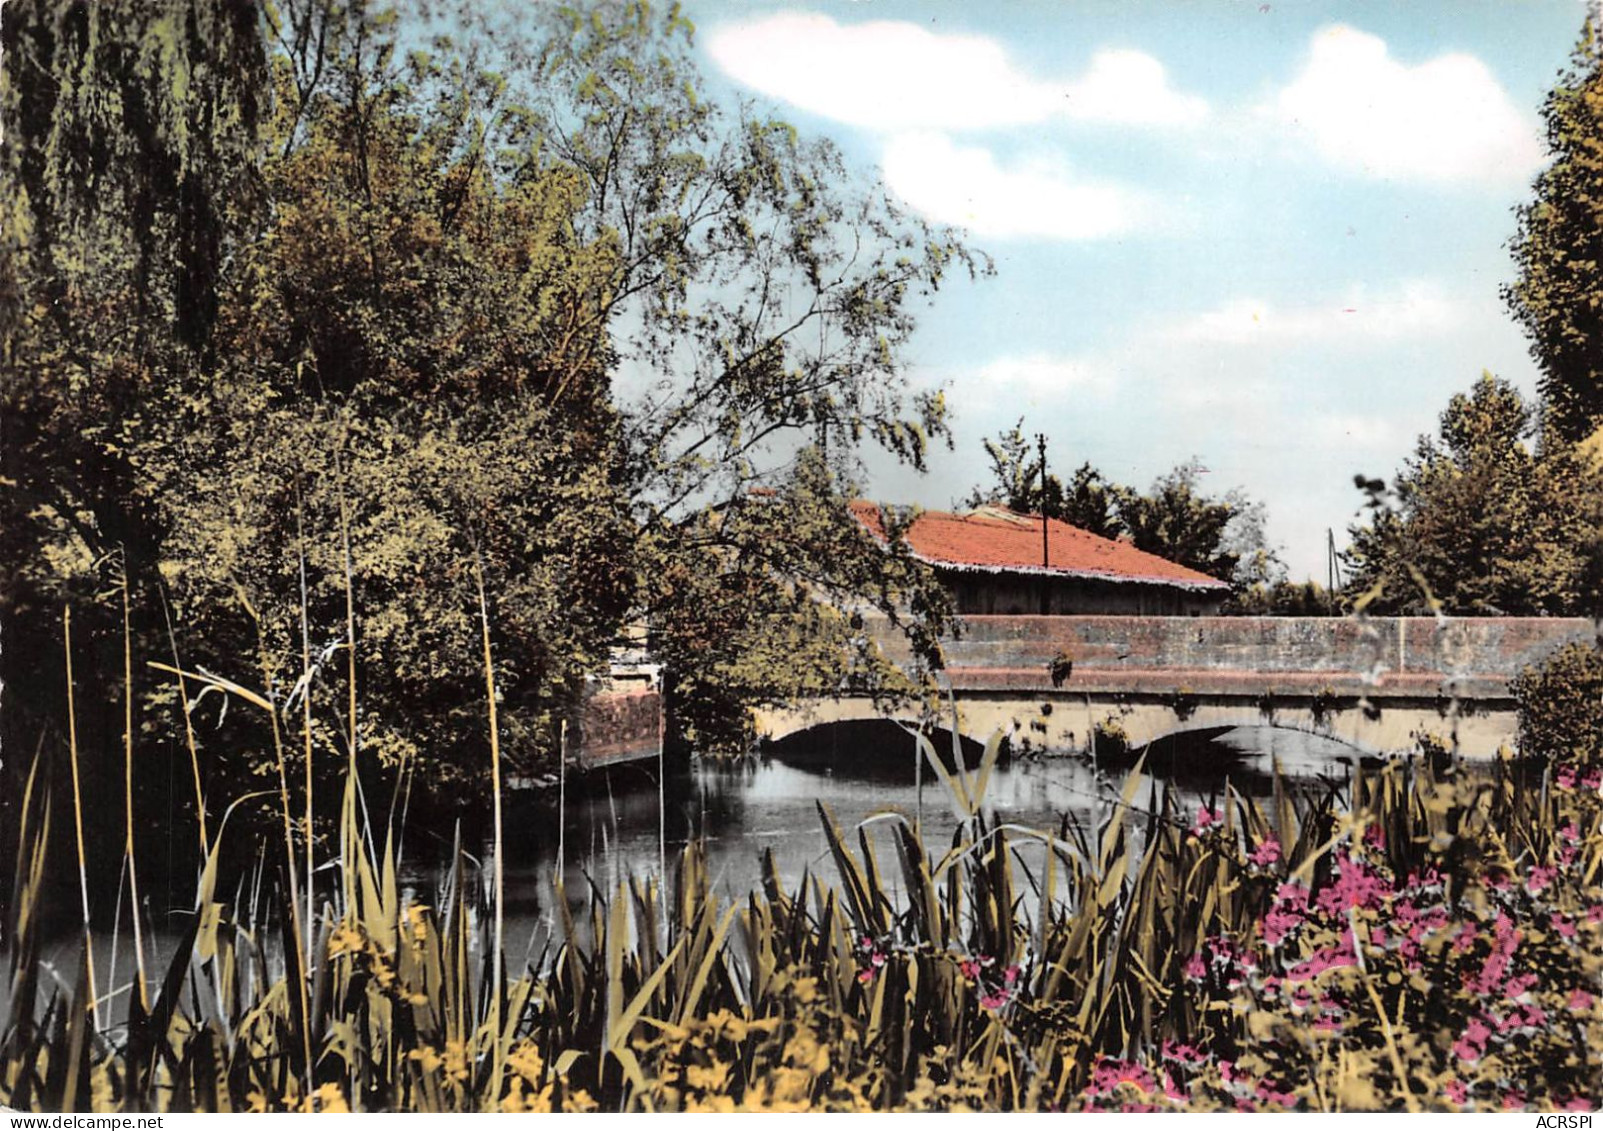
1566 777
865 975
1593 779
1277 924
1517 986
970 968
1594 914
1580 1000
1010 975
1457 1091
1206 817
996 999
1472 1045
1184 1054
1326 958
1266 854
1564 927
1355 886
1267 1094
1196 968
1541 878
1107 1075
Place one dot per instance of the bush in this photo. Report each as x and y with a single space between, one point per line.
1561 706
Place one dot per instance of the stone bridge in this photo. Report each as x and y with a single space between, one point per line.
1378 684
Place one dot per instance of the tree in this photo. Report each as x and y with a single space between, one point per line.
1479 521
1175 521
131 139
1558 249
1224 538
760 297
1088 501
353 352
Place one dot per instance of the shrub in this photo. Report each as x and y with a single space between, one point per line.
1561 706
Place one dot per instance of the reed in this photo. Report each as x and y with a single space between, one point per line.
1159 959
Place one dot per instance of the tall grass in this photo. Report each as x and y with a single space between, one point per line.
1162 958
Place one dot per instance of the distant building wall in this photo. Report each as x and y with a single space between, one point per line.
1017 594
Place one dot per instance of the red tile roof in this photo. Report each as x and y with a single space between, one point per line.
996 540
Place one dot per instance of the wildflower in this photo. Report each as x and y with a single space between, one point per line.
1206 818
1457 1091
1517 986
1472 1045
1593 779
1541 878
970 969
1580 1000
865 975
1188 1055
1566 777
1563 926
1326 958
1196 968
1355 886
1267 854
1594 914
996 999
1107 1075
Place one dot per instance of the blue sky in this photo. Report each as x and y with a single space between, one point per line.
1267 235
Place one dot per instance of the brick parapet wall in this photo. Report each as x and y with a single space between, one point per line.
1401 655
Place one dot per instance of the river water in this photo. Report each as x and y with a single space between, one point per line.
613 826
611 829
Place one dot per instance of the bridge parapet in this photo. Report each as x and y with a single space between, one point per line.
1379 684
1402 655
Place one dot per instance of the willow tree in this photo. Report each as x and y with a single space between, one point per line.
761 300
129 145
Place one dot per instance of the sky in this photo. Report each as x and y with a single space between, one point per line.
1269 236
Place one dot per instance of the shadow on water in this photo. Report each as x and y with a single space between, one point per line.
613 828
870 749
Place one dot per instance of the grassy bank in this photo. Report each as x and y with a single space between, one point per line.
1412 941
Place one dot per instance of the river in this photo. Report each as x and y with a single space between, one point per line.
611 828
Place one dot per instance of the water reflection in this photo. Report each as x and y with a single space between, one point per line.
612 832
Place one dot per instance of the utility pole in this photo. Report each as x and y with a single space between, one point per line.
1046 548
1046 556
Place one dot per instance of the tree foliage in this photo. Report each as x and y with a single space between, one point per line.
1561 706
1487 517
1558 249
1222 537
317 318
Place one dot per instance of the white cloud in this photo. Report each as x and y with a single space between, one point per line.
1418 309
1046 375
965 186
1445 120
893 76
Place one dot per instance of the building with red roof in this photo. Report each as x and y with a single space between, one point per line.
996 562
